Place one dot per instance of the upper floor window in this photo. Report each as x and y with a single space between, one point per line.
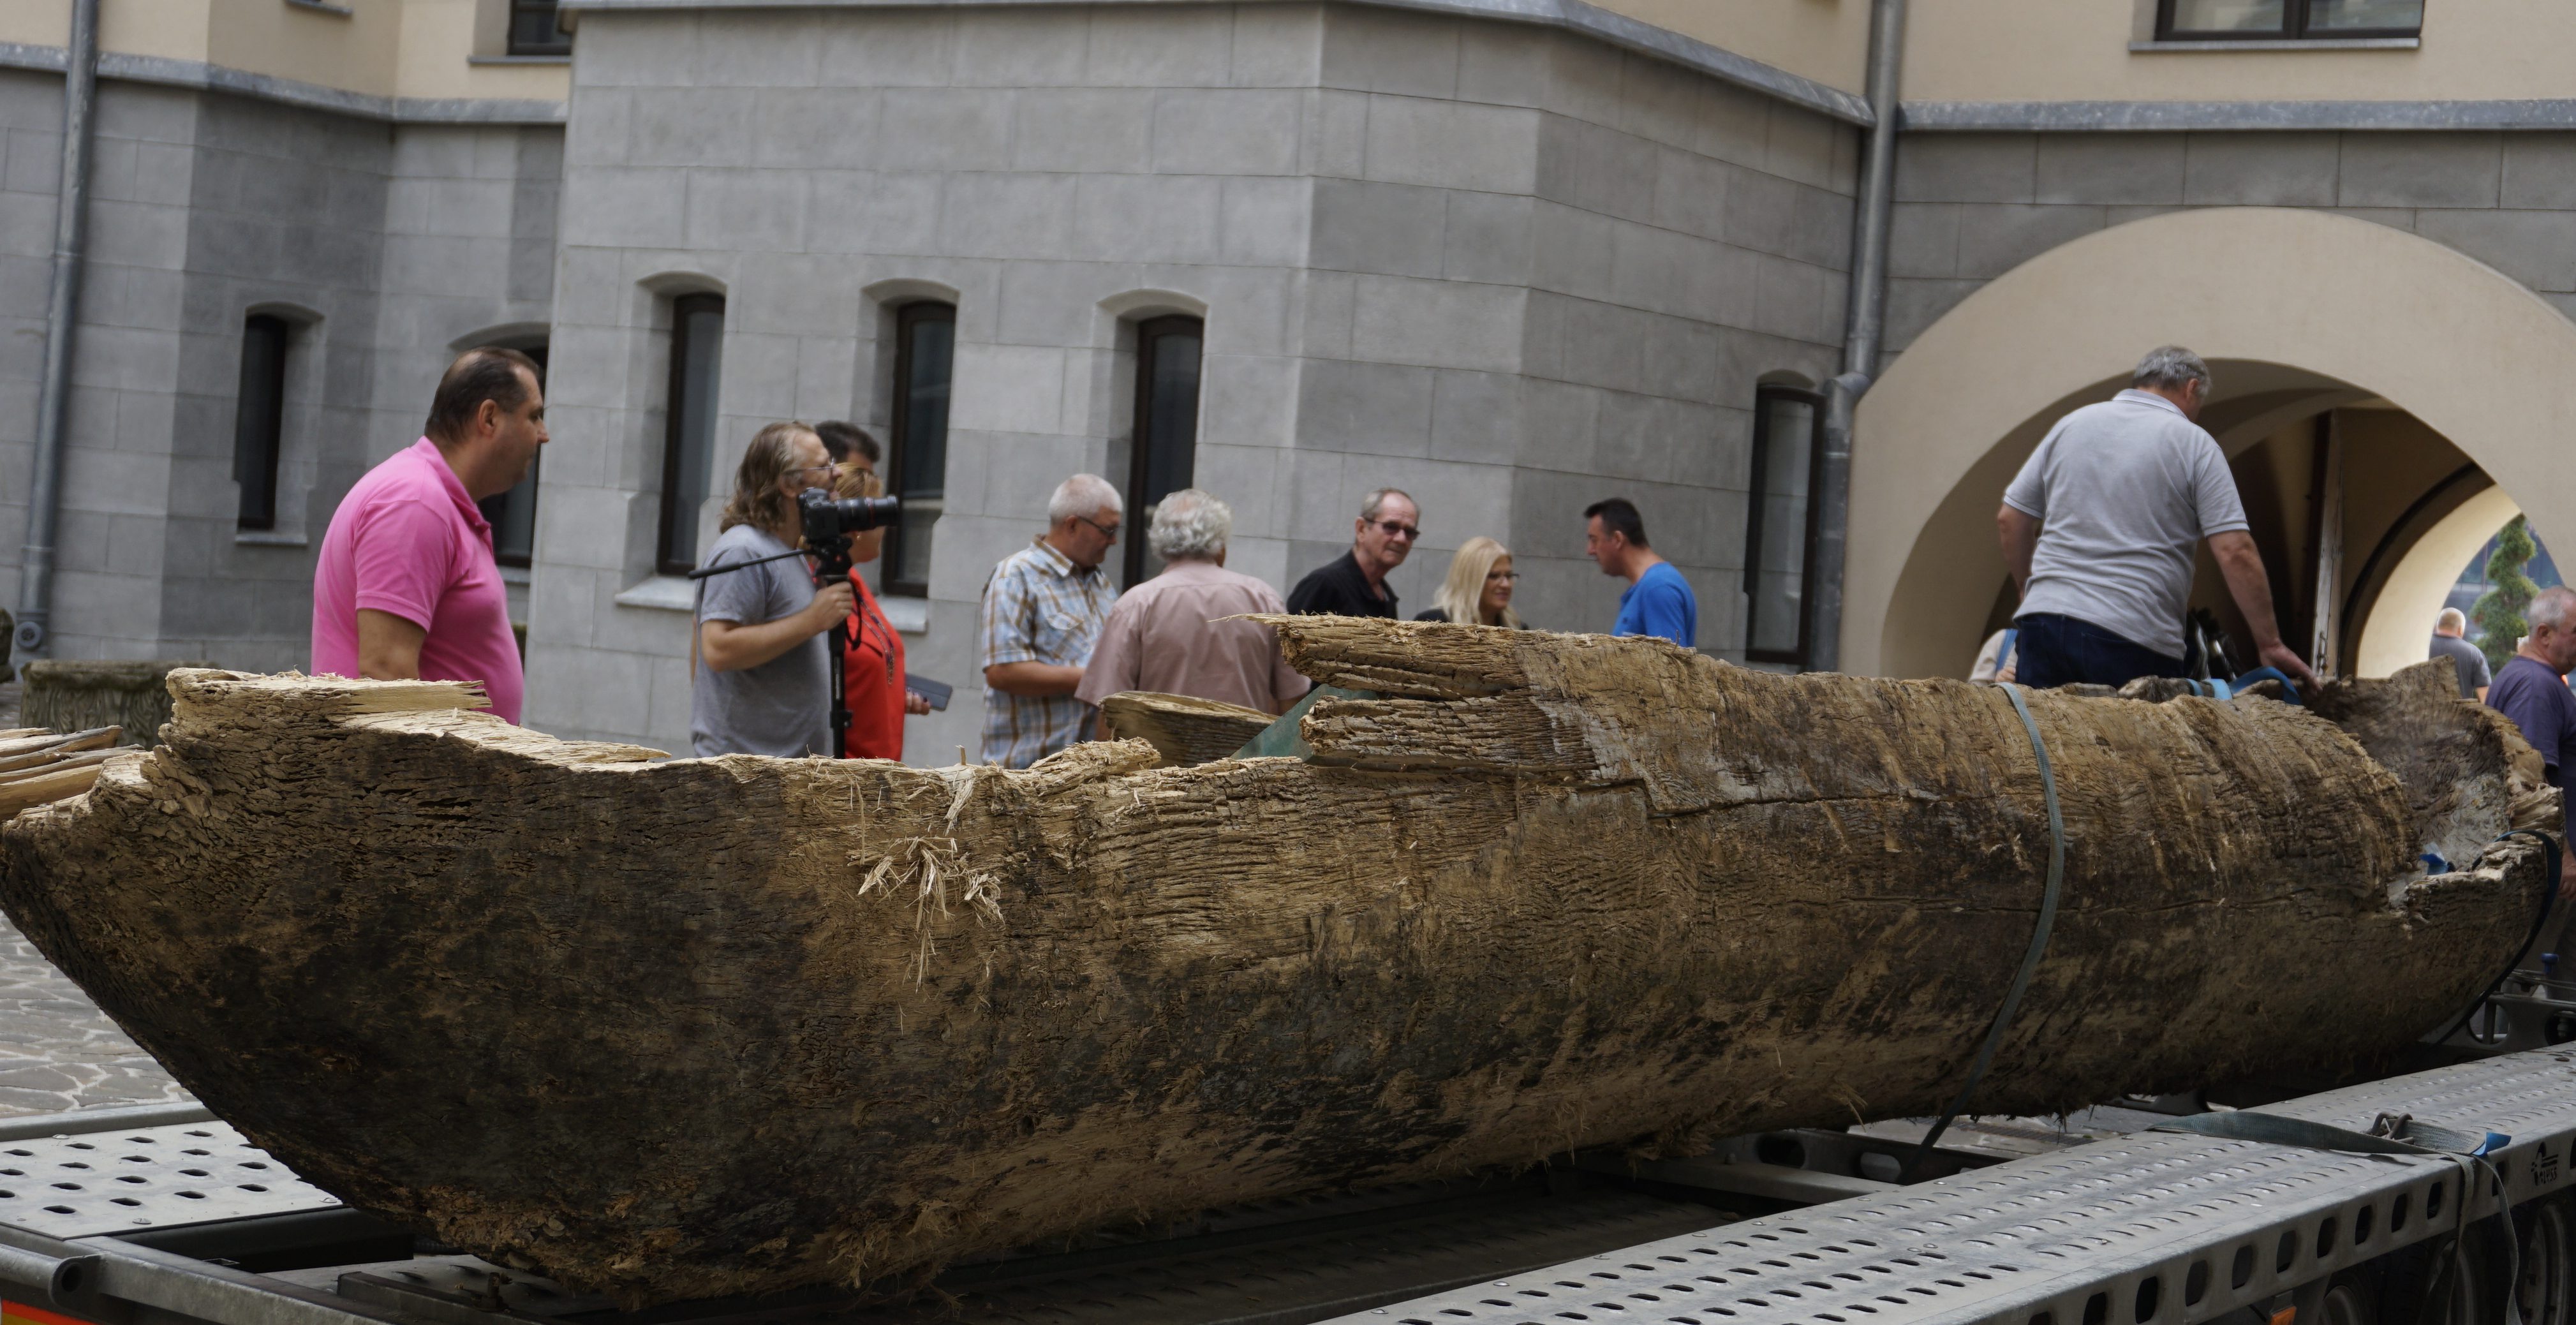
513 514
2244 20
1165 453
689 439
259 418
1779 525
534 29
925 352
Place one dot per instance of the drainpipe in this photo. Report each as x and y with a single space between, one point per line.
1863 320
71 206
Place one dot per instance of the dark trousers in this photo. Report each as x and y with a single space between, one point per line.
2055 650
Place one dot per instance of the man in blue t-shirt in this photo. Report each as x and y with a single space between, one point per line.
1658 600
2531 687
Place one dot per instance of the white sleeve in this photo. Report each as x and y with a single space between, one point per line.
2028 492
2213 490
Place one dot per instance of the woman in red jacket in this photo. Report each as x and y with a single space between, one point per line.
873 669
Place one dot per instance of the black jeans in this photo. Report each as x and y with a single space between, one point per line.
2055 650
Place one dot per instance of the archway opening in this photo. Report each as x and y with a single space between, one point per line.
2422 377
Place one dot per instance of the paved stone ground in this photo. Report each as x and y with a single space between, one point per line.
57 1050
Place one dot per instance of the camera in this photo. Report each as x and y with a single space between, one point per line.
828 519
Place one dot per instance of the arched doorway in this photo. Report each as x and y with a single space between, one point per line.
2298 311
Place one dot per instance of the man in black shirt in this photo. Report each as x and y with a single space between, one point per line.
1354 584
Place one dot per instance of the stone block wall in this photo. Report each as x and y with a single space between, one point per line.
1509 270
1973 206
379 244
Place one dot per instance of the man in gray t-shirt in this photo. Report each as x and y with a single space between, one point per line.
764 671
2468 662
2100 526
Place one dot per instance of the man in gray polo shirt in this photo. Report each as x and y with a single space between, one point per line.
2100 526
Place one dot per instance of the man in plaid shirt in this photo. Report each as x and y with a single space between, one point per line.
1043 608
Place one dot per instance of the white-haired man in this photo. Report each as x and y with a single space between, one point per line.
2531 687
1043 608
2467 660
2100 526
1169 633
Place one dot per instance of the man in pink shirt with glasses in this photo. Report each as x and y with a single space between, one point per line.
406 587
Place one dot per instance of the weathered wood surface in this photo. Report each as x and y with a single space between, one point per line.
71 694
710 1026
1184 729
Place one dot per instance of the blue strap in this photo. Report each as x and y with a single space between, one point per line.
2038 935
2289 688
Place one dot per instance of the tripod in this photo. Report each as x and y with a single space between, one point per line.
830 568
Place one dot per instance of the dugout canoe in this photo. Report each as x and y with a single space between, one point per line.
689 1028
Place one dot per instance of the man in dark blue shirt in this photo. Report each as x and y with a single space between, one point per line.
2531 687
1658 601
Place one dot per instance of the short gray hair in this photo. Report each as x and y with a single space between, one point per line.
2171 367
2452 619
1080 496
1376 501
2554 607
1190 523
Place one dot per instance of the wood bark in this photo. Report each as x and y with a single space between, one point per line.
1183 729
689 1028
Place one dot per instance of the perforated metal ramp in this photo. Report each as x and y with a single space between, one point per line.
75 1184
2172 1228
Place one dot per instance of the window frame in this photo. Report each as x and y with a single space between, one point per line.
244 517
907 317
2294 27
665 561
1141 443
1763 395
561 44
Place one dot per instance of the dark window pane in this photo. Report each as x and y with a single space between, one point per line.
924 361
513 514
513 517
697 347
1775 554
2241 17
1165 450
533 29
259 419
2328 16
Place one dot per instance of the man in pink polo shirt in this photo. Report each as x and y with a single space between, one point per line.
406 587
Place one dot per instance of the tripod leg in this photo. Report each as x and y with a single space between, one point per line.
840 689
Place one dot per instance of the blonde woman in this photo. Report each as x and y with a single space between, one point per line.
1479 587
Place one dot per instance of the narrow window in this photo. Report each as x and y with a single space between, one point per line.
925 346
259 418
513 514
2278 20
534 29
1780 521
1167 428
688 449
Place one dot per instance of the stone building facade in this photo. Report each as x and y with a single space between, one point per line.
1510 270
1511 258
379 244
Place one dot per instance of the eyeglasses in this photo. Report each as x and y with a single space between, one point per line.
1394 527
1506 576
1107 531
825 470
